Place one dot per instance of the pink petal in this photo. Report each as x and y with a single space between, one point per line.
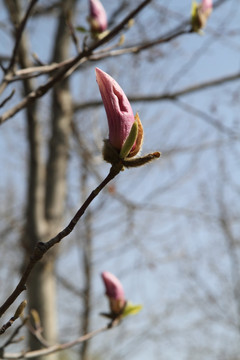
207 5
118 109
114 288
98 17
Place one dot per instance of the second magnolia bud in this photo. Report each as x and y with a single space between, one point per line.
114 292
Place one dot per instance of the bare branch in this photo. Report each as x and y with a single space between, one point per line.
11 338
7 98
58 347
183 28
19 32
168 95
17 314
41 248
207 118
43 89
99 55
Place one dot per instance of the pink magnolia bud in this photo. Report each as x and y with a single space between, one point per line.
119 113
204 11
200 14
98 17
207 5
114 292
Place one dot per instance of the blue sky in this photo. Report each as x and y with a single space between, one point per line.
170 254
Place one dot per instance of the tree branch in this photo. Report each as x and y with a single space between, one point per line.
135 48
206 117
41 248
167 95
43 89
58 347
7 98
19 32
36 71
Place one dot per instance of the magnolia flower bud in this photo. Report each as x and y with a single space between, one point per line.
200 14
207 5
97 17
114 292
120 117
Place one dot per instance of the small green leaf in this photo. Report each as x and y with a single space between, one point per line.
129 142
81 29
194 9
131 309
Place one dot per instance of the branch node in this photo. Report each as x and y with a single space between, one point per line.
39 251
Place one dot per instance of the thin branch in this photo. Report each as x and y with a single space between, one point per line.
136 48
167 95
11 340
46 10
7 98
36 71
36 332
146 98
43 89
7 325
174 96
73 33
69 286
17 314
120 8
207 118
195 57
19 32
41 248
58 347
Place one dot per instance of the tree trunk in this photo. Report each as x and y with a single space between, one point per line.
46 190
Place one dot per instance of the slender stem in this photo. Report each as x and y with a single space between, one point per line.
43 89
58 347
41 248
20 32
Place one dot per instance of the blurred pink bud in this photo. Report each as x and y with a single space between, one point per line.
114 291
97 17
119 113
207 5
114 288
204 11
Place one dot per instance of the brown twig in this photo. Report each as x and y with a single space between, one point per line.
43 89
101 54
7 98
58 347
7 325
17 314
183 28
206 117
141 47
19 32
73 34
46 69
11 340
168 95
41 248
